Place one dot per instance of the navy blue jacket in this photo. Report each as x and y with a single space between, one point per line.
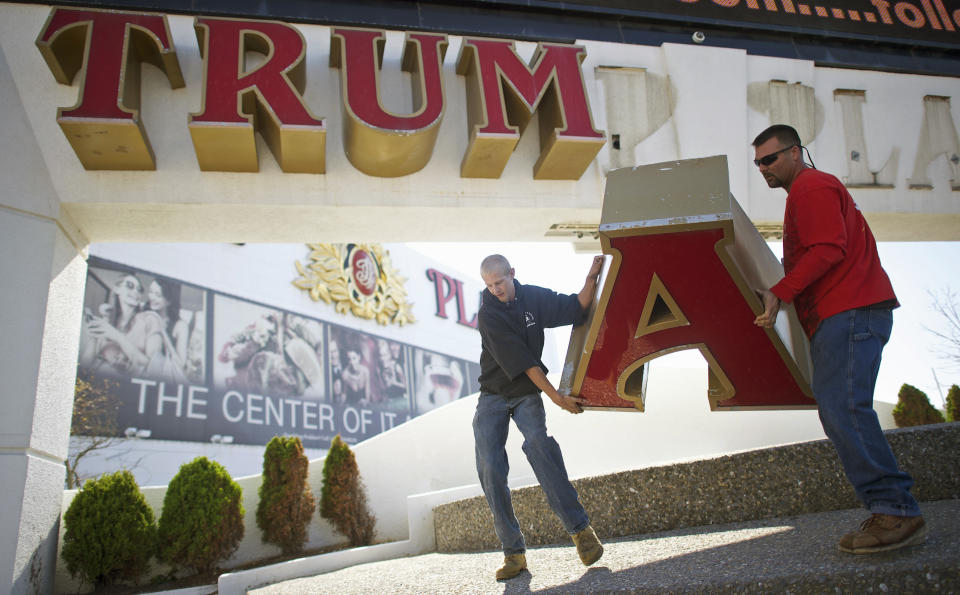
511 335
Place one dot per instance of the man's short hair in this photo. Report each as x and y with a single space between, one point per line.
496 264
787 135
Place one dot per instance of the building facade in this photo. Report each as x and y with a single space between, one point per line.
379 121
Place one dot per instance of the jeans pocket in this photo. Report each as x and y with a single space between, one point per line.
872 323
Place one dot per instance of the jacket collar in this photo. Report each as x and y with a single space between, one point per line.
490 300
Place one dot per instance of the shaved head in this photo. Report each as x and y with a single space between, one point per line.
498 277
494 264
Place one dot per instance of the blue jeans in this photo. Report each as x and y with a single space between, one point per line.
846 352
490 426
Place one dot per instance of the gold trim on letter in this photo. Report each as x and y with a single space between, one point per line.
653 319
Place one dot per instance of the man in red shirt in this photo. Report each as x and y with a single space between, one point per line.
844 300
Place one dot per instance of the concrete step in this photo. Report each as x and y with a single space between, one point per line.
759 521
786 480
687 527
793 554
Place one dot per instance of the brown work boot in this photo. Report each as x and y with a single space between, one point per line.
882 532
513 565
588 546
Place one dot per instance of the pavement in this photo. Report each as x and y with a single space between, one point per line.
795 554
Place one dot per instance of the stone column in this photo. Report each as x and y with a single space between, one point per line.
42 274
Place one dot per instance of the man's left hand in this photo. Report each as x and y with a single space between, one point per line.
595 267
771 306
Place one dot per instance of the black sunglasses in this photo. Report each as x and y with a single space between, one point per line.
769 159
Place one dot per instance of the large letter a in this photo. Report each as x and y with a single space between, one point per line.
686 262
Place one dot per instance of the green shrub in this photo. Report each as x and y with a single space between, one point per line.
110 532
286 502
343 500
953 403
202 518
913 408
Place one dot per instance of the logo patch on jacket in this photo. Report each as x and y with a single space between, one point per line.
528 319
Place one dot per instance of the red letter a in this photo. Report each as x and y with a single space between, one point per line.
681 278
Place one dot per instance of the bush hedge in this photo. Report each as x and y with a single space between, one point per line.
202 518
913 408
110 533
286 502
343 500
953 403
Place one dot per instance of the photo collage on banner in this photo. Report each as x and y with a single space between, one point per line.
196 365
440 380
139 324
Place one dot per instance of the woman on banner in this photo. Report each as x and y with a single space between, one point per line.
390 370
163 297
338 393
356 378
123 337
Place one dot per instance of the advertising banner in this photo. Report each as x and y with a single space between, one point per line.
197 365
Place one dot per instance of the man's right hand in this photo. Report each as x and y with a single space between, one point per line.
569 403
566 402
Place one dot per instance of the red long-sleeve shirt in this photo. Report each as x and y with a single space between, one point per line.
829 253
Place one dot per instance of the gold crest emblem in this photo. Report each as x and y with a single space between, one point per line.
357 278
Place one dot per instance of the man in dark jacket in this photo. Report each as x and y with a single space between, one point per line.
511 322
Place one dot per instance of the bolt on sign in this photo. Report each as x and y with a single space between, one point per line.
684 265
103 50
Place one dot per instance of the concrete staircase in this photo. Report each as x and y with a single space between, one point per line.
759 521
785 555
783 481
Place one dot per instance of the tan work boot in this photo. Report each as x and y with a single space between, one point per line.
588 546
882 532
513 565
